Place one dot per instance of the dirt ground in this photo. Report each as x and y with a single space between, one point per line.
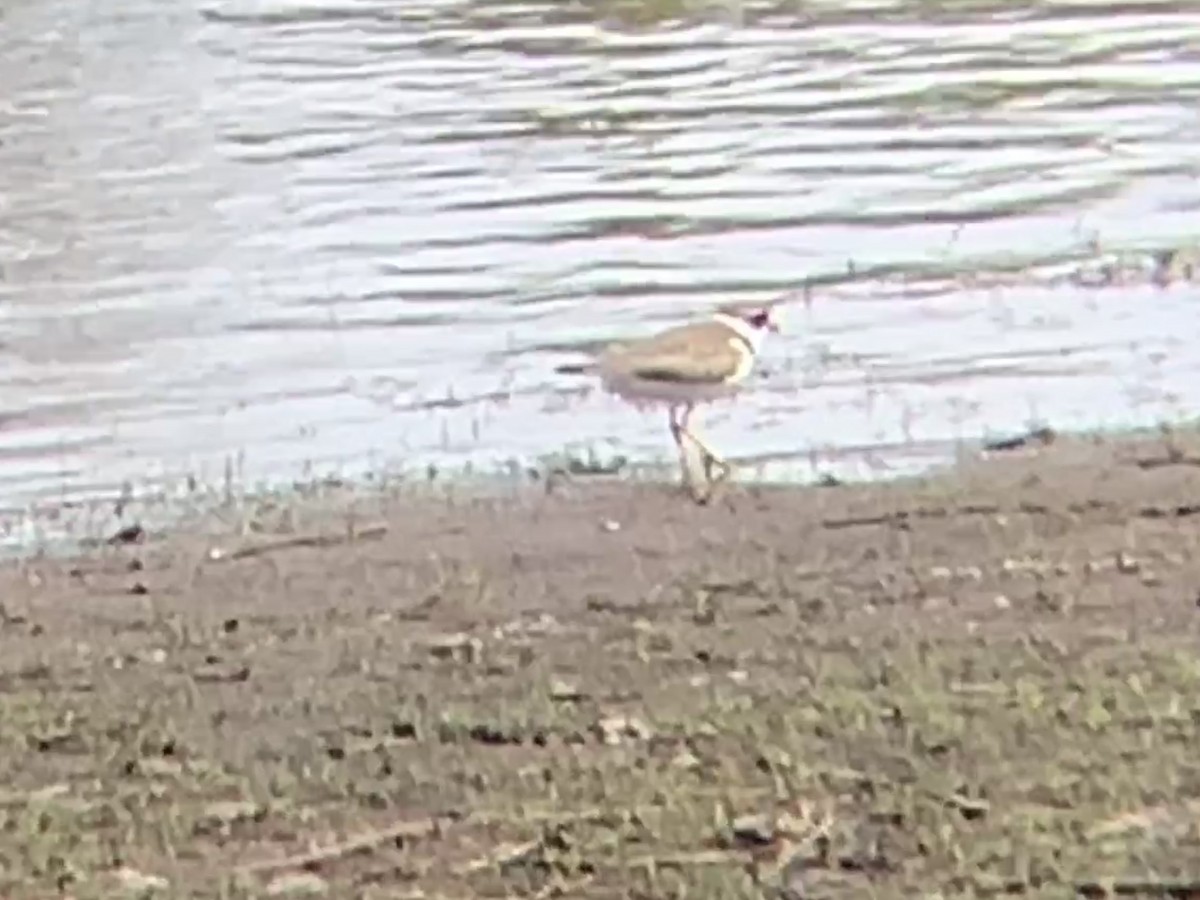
985 682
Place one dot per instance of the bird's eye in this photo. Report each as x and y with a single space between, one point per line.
760 319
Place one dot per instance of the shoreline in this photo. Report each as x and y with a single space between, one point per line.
76 527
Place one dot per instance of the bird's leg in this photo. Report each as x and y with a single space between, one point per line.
678 417
701 495
712 460
676 428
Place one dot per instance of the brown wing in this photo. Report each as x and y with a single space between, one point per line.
695 354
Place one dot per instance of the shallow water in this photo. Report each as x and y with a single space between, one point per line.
276 239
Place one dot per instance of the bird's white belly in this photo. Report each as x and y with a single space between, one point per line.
644 392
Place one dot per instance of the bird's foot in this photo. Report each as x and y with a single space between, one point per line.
702 486
716 469
713 468
701 493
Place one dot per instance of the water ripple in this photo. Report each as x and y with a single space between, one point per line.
219 221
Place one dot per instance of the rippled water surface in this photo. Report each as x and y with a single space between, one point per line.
294 237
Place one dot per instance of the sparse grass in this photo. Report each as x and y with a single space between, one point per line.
973 766
976 685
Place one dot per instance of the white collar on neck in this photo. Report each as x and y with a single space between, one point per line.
743 329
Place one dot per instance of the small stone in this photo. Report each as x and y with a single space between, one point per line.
565 692
139 884
939 572
228 812
1127 564
299 884
686 760
543 624
216 672
1002 602
753 829
130 534
610 525
159 767
456 646
739 676
615 729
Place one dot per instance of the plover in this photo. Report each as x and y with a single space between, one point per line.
684 366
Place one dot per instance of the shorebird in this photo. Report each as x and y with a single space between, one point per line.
684 366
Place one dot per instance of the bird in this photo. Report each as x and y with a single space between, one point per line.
686 365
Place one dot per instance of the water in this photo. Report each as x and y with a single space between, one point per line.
304 236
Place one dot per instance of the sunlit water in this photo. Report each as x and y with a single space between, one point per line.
280 239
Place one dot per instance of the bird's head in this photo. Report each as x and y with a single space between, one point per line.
760 317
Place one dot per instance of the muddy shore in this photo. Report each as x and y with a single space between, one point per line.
981 682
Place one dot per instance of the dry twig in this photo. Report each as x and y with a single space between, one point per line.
370 532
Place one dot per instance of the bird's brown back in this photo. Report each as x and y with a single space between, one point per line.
699 353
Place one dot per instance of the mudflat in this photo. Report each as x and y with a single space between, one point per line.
982 682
